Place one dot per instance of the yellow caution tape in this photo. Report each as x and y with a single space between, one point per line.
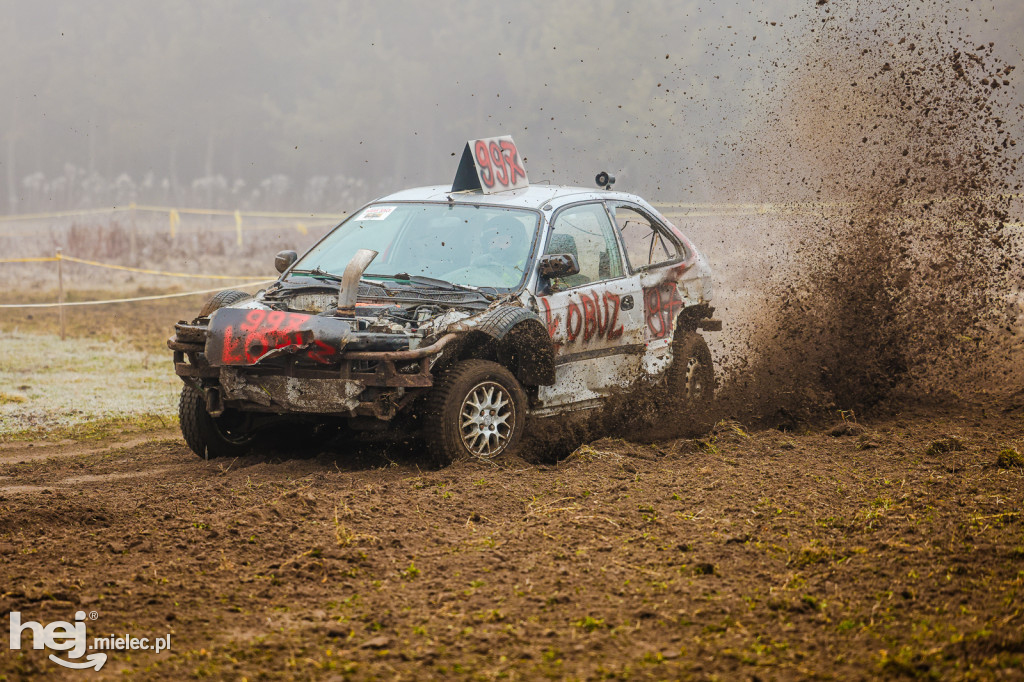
176 212
247 214
59 214
179 229
109 266
131 300
47 259
169 209
153 272
301 228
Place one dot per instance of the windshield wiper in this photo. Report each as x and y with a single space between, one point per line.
317 273
429 281
369 278
445 284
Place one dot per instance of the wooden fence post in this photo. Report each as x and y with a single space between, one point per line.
134 257
60 290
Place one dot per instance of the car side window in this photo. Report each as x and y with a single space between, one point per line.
645 242
585 232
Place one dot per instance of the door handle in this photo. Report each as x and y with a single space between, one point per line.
627 303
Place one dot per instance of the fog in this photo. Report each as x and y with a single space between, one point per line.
316 105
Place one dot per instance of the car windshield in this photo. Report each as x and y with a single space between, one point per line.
480 246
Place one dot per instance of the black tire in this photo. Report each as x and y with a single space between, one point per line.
226 436
691 377
222 299
452 415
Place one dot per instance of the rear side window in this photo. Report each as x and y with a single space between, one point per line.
646 242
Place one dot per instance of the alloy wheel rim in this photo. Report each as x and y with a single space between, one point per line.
486 419
694 385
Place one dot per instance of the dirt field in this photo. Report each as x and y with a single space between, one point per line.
886 550
893 548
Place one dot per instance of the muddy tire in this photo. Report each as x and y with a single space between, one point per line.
691 377
226 436
477 410
222 299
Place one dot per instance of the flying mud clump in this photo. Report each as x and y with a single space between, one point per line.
897 134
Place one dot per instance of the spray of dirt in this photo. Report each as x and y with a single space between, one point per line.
895 133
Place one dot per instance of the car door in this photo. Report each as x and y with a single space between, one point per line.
594 317
654 255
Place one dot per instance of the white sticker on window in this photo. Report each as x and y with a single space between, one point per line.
376 213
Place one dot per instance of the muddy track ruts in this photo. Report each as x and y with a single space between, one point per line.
741 553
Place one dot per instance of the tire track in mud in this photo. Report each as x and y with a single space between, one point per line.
18 452
84 479
50 468
59 468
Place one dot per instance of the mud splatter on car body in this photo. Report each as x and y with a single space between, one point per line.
536 302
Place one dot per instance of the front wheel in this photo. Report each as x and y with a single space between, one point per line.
229 435
476 410
223 299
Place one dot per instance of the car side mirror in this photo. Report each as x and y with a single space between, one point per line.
558 265
284 260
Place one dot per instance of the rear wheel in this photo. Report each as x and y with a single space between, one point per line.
230 435
476 410
691 377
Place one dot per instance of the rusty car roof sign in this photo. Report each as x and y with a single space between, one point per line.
490 165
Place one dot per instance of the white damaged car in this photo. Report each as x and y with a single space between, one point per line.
457 314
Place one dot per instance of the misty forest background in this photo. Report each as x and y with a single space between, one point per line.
319 106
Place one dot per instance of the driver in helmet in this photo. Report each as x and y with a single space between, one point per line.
501 249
